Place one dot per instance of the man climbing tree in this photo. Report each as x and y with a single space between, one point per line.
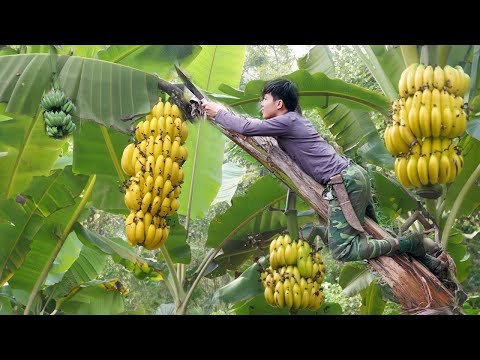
347 186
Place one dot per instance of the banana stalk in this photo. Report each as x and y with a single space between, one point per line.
410 54
291 213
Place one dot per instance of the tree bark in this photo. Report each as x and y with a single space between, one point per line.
414 286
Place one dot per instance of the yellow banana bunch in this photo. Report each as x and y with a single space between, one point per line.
153 163
294 276
425 123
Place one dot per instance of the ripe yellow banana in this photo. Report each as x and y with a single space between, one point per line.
161 127
182 154
424 121
169 126
451 80
140 232
126 160
165 207
428 77
167 109
167 146
150 237
396 140
138 131
154 127
159 166
436 120
414 123
175 111
402 83
422 168
447 122
438 78
279 295
412 171
444 172
297 297
177 128
427 99
146 129
418 79
130 229
411 79
167 189
147 200
268 293
461 124
167 171
281 256
159 109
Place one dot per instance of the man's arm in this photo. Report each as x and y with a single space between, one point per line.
277 126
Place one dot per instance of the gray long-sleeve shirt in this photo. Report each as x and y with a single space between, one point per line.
296 136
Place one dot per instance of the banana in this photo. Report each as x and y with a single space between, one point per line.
158 186
451 79
427 99
402 84
308 266
148 184
406 108
297 297
428 77
461 125
467 84
273 259
138 131
150 146
418 78
412 172
268 293
165 207
281 256
273 244
161 127
156 204
413 122
130 227
174 178
146 130
424 121
175 111
422 169
159 111
279 295
175 205
444 99
147 200
167 146
444 172
167 109
461 80
150 165
447 122
167 171
150 237
169 126
436 120
157 147
397 141
182 154
154 127
126 159
174 151
158 170
402 173
438 78
167 188
140 232
177 128
411 79
288 298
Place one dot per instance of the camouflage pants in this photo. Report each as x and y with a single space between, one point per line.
346 243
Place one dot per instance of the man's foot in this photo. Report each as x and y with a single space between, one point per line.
436 266
412 244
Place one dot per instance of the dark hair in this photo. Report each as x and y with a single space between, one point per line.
283 89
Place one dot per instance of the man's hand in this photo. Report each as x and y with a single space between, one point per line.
211 108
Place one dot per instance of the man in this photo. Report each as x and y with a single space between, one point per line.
298 138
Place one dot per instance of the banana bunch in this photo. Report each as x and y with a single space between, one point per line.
154 163
431 161
418 77
57 115
294 276
425 124
141 270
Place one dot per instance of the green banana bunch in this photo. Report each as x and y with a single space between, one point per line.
57 115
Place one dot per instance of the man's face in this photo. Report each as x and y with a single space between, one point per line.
270 107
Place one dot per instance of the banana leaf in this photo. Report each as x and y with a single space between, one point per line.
372 301
471 201
232 174
355 278
318 59
355 132
27 223
56 194
459 253
157 59
315 90
66 257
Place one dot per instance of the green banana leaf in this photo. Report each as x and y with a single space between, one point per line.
355 132
471 149
29 151
458 55
6 50
315 90
24 78
105 93
259 306
372 301
86 267
107 196
176 244
208 173
217 64
58 193
245 287
387 67
391 197
318 59
48 196
94 300
66 257
355 278
473 128
157 59
239 220
232 174
5 305
459 253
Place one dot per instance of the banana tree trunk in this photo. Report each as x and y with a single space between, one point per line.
413 285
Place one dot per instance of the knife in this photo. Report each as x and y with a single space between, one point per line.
189 85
